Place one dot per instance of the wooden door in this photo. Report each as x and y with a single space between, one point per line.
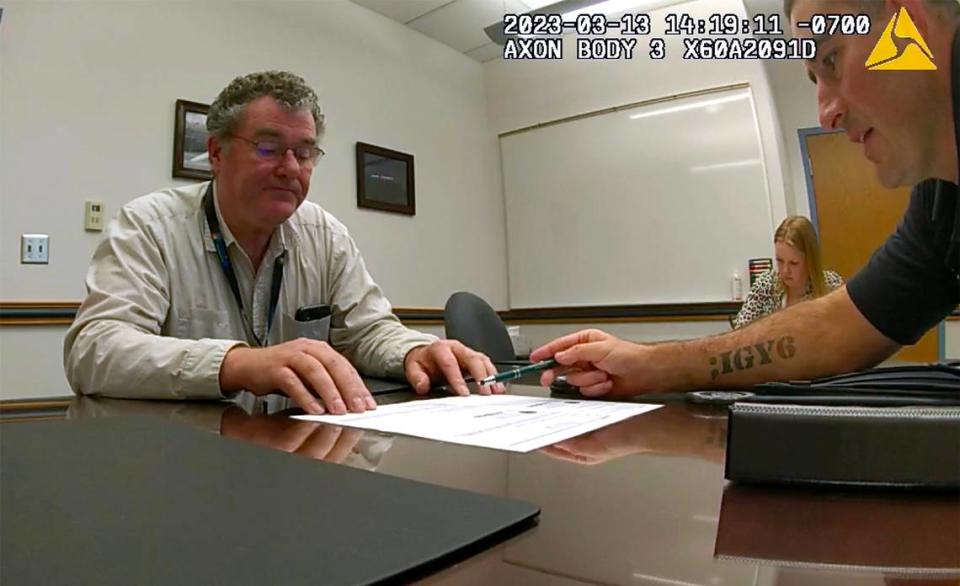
855 214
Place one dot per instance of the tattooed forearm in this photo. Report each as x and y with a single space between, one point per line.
748 357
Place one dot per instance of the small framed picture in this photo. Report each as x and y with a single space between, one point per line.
385 180
190 160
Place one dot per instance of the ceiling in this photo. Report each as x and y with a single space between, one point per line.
459 24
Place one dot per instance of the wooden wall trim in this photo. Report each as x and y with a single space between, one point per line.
4 305
56 403
44 313
21 410
24 313
623 313
37 313
422 316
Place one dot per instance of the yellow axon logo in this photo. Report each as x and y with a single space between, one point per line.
901 47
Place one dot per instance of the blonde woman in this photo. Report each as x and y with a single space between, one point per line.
799 275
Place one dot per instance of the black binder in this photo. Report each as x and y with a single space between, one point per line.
138 501
888 426
844 445
917 380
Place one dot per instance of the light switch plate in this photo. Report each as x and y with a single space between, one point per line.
93 215
34 249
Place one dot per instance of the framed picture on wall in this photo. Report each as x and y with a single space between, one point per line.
190 159
385 180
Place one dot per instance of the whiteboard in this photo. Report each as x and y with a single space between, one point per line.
659 203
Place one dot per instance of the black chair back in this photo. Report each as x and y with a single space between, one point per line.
470 320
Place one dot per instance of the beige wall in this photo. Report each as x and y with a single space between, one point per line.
796 102
87 107
30 362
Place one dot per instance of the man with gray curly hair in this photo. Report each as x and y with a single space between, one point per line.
289 90
195 291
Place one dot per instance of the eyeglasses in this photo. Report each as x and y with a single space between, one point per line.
270 149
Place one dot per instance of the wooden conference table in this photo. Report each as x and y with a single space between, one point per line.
643 502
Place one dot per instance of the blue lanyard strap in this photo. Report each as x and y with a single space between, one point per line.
214 224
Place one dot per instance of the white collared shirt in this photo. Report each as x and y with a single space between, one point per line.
159 315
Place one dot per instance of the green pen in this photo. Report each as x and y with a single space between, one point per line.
518 372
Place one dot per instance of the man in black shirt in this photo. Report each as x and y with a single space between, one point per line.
907 123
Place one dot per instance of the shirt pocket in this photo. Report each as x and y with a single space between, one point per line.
291 329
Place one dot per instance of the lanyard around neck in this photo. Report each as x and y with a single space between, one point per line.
218 243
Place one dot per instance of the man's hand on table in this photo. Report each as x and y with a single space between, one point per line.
445 360
317 377
320 380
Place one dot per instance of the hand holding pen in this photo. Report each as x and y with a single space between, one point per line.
518 372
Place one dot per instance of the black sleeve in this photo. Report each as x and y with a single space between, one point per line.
907 288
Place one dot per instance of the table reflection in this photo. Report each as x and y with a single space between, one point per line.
266 423
279 431
909 537
674 429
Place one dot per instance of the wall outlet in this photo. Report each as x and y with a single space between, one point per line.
34 249
93 215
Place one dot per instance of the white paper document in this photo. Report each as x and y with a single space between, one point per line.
502 422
